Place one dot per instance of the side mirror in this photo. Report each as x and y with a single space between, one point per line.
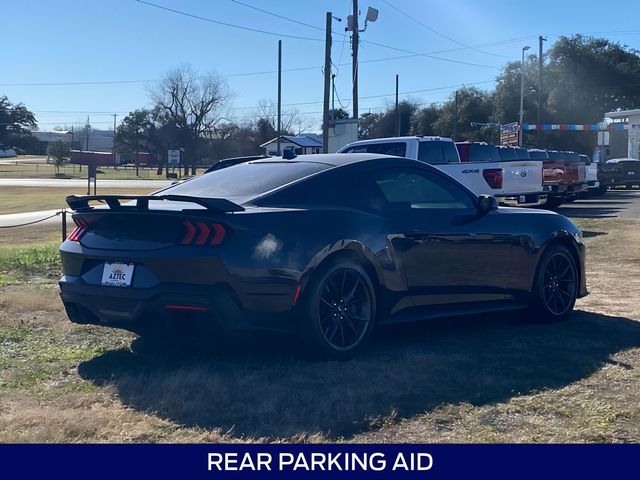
486 203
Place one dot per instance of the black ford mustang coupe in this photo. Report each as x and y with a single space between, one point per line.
328 246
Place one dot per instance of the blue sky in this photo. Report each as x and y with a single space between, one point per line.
67 41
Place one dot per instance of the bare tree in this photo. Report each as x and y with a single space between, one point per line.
195 103
292 121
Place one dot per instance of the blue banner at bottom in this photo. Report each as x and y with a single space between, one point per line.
311 461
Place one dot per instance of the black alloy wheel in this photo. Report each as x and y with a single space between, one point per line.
559 290
556 286
340 310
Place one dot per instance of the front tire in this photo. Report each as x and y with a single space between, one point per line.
339 310
555 288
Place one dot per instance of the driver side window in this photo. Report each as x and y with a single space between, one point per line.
409 188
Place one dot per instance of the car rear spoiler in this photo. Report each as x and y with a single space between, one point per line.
81 202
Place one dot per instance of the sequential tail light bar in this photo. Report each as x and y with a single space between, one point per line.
202 233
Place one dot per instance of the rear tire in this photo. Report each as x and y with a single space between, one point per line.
339 310
555 288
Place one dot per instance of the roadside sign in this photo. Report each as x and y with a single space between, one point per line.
173 158
509 134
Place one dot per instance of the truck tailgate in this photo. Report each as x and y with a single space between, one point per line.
522 176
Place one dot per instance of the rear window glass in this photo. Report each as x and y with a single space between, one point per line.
397 149
437 152
538 155
450 152
483 153
507 154
522 154
246 180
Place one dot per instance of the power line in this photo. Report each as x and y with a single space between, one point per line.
253 7
413 19
218 22
366 42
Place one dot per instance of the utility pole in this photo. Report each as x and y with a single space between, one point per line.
327 85
520 131
279 92
396 111
540 66
455 117
354 66
137 148
114 140
333 97
87 128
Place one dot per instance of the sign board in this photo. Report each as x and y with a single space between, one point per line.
173 158
509 134
603 138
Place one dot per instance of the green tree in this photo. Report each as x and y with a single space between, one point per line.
60 150
422 120
16 122
474 106
368 125
583 78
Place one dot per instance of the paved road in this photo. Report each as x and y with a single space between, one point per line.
78 183
615 203
12 219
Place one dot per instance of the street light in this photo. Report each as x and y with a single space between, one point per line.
520 132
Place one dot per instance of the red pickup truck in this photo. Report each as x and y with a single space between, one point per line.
563 175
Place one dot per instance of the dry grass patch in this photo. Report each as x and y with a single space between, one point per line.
476 379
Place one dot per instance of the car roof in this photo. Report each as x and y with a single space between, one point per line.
332 159
424 138
618 160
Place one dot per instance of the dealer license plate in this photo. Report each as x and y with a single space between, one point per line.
117 274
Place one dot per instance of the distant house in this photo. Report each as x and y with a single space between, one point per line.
300 144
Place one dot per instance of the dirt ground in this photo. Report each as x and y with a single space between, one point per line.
490 378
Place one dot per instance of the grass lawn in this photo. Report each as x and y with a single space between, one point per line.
40 170
490 378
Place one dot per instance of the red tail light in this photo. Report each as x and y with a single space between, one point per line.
77 234
493 176
202 233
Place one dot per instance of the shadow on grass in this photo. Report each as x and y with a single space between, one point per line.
265 389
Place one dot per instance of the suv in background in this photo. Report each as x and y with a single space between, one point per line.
619 172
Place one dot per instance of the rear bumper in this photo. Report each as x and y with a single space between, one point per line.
593 184
162 306
523 200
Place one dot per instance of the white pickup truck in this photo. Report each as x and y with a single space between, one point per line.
518 184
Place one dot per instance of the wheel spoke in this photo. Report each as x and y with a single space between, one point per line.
564 272
356 301
333 333
352 293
